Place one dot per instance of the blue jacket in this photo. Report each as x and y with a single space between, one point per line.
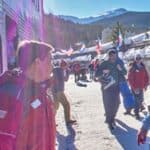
146 123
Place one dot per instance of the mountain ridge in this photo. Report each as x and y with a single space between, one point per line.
91 19
62 33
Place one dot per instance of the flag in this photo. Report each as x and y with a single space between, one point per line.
98 46
82 48
68 52
63 51
119 41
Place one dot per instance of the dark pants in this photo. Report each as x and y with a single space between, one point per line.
76 76
91 74
111 102
138 101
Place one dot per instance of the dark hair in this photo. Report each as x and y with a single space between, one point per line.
138 58
28 51
112 51
63 63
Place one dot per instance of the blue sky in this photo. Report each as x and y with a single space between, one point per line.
86 8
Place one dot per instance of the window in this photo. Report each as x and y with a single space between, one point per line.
37 5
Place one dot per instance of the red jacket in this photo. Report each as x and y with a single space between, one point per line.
29 119
138 78
10 111
76 68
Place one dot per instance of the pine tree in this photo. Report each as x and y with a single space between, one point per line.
115 33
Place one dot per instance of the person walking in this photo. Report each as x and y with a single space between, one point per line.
76 70
28 120
138 80
107 73
60 75
91 70
127 96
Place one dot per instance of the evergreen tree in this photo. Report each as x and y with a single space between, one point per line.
115 32
118 29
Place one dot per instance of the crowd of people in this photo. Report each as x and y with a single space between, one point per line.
115 79
31 93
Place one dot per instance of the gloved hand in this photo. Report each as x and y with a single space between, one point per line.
141 137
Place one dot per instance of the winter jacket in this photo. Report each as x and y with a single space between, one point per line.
29 117
114 72
10 111
146 123
76 68
138 76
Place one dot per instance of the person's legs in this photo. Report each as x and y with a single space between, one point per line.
111 104
91 76
142 107
61 97
138 103
56 103
63 100
75 77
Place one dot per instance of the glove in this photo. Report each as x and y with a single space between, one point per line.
141 137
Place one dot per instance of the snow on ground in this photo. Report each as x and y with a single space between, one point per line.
90 132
